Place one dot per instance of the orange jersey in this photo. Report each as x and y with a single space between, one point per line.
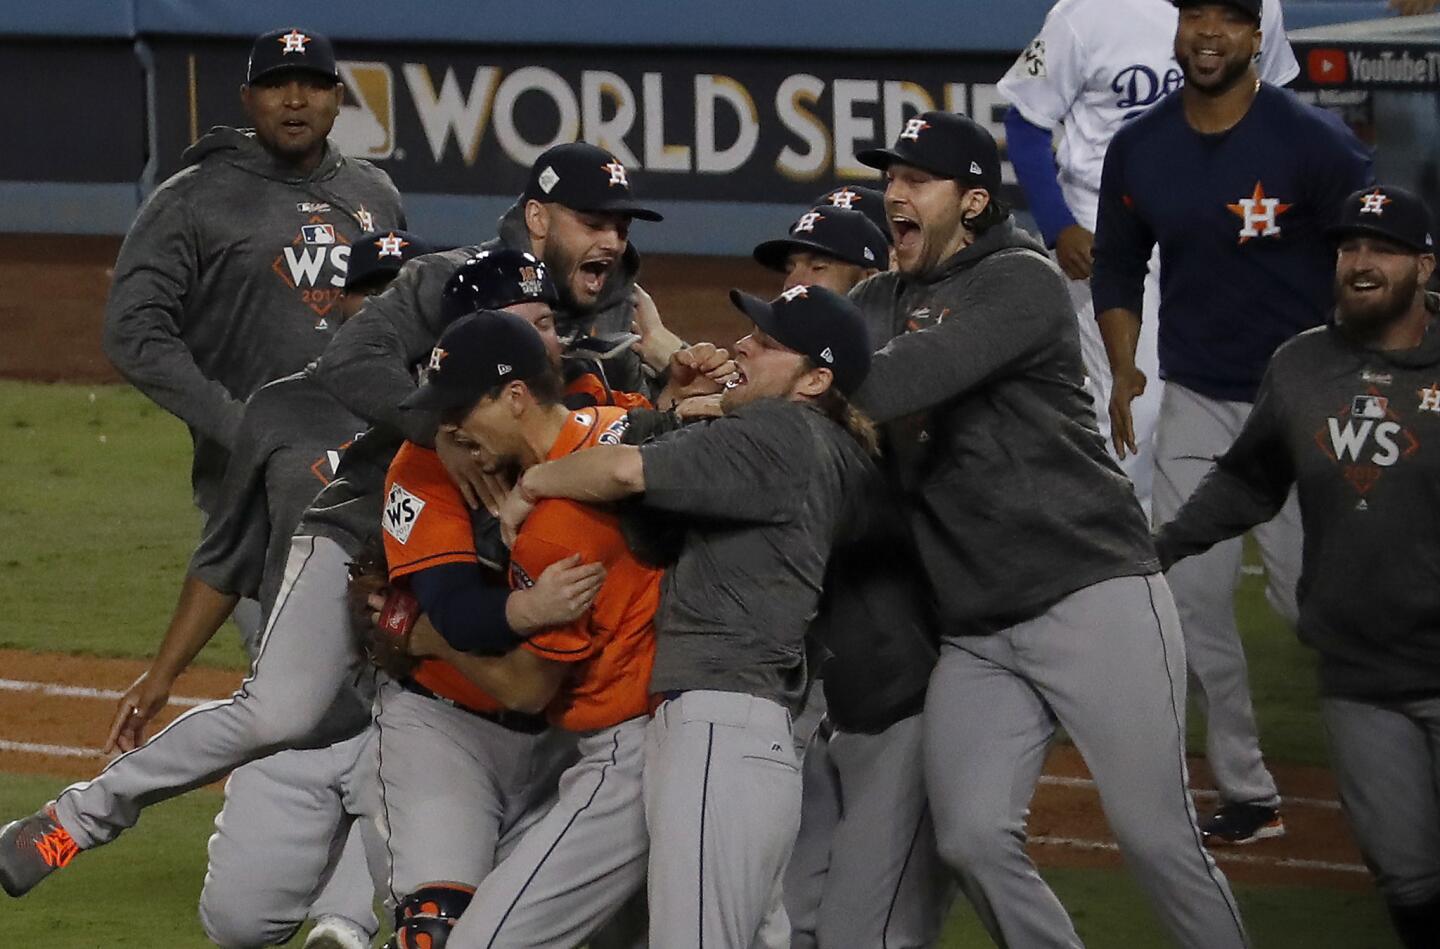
613 644
590 386
425 524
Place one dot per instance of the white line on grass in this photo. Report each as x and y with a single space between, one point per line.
81 692
1057 780
1223 856
56 751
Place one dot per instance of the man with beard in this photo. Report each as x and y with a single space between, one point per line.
1235 180
1349 414
1051 607
575 216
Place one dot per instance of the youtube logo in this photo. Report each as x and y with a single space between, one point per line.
1327 67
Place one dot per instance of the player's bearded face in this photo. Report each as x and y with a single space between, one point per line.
926 218
293 116
583 251
1376 282
1215 45
765 369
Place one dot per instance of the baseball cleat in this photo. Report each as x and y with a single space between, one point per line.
1242 824
335 932
31 849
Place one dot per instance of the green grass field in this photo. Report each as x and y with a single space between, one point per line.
97 526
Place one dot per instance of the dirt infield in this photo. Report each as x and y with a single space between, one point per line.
52 297
57 731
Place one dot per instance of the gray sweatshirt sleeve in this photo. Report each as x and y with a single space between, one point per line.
749 466
157 268
367 365
1011 308
231 554
1247 486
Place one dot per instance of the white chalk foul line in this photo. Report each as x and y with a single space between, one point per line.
81 692
1222 856
1056 780
55 751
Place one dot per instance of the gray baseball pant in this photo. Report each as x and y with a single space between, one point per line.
287 846
454 789
1386 758
1138 466
809 718
578 864
1194 431
865 871
1108 663
308 688
722 803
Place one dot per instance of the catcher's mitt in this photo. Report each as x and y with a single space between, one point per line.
387 642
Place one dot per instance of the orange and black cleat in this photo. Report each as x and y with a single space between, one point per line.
31 849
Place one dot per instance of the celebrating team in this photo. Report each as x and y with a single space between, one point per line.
619 568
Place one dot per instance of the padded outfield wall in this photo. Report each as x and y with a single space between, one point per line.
732 113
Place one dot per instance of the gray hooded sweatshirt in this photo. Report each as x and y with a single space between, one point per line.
231 276
370 365
1013 499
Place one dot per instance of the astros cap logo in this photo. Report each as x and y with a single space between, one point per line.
795 293
294 42
390 245
437 356
1374 203
807 221
913 128
617 174
845 198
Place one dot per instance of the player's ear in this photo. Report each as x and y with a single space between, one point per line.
814 383
1426 267
537 220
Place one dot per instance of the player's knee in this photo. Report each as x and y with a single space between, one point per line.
970 841
231 926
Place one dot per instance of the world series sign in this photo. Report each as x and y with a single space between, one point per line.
751 127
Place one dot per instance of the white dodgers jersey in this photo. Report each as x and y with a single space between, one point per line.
1097 63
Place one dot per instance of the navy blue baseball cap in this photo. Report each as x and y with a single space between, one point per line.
944 144
1394 214
475 354
495 279
847 236
868 201
379 255
585 177
291 50
817 323
1250 7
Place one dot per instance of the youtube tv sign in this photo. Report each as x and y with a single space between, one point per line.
1327 67
1343 66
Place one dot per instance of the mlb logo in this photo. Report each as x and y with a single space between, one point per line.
1327 67
318 233
1369 406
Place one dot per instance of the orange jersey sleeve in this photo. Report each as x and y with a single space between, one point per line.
591 387
425 521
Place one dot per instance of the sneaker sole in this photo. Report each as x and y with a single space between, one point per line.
1267 832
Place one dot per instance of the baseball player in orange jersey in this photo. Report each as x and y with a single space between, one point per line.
498 388
764 492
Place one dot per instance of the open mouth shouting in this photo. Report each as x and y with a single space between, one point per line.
593 273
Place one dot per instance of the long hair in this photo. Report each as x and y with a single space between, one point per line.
857 424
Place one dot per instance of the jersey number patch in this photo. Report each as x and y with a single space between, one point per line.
402 510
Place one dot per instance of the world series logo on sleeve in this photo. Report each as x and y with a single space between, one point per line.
402 510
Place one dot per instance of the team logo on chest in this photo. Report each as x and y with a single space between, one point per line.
314 266
1365 438
1260 214
1430 398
